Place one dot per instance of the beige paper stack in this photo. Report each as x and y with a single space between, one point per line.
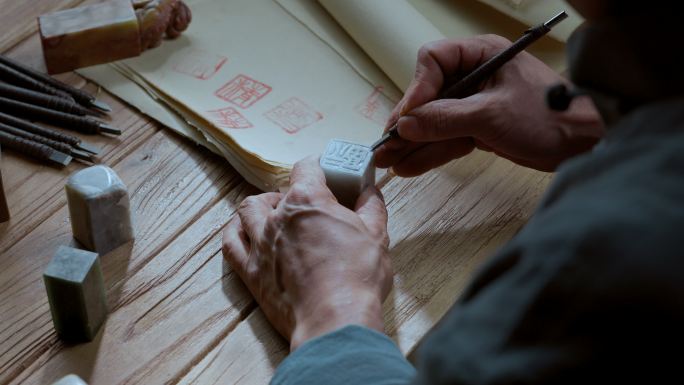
266 83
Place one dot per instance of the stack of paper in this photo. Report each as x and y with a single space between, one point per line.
265 83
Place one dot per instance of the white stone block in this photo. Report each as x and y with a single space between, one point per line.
100 209
71 379
349 169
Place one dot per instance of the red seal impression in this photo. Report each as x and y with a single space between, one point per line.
229 117
243 91
293 115
200 64
375 107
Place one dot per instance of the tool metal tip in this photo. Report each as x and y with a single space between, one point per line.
106 128
88 148
556 19
82 155
60 158
94 112
100 105
386 137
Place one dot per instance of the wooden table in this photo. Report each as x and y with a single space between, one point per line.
177 311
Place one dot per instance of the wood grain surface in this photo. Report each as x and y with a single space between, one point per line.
4 210
178 314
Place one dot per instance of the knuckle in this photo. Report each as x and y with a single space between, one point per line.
308 194
247 203
496 40
273 223
230 253
426 57
227 249
385 241
425 53
437 121
441 120
299 194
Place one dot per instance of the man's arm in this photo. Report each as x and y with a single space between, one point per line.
507 116
351 355
316 267
590 290
320 273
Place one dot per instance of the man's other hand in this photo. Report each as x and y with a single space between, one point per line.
508 115
313 265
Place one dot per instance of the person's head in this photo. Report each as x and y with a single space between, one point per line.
594 10
627 52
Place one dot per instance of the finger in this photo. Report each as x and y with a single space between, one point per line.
394 116
236 246
423 88
444 62
449 119
387 156
396 144
432 156
450 58
370 207
393 146
307 182
254 211
308 171
438 121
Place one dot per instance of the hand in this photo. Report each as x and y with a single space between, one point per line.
508 115
313 265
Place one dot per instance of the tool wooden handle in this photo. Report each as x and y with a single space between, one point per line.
72 122
77 94
13 76
468 85
38 130
26 146
59 146
40 99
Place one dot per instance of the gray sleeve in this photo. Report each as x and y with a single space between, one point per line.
588 292
351 355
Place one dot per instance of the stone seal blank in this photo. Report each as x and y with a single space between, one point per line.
100 209
71 379
349 169
75 290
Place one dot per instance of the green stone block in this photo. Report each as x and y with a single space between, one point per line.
75 290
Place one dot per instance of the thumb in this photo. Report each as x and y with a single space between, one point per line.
444 119
370 207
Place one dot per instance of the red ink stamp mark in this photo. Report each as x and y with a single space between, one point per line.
200 64
376 107
293 115
243 91
229 117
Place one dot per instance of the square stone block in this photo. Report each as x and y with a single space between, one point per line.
75 290
89 35
349 169
100 209
71 379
